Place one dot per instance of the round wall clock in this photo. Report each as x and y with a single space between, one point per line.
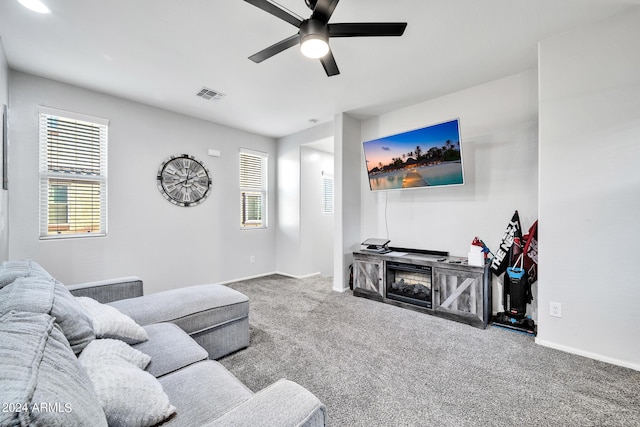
183 180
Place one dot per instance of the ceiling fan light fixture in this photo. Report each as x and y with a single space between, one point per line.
35 5
314 46
314 38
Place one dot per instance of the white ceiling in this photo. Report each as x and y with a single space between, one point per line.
162 52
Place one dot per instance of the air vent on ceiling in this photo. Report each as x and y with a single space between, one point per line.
210 94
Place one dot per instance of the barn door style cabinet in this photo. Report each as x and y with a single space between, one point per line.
442 286
368 276
459 295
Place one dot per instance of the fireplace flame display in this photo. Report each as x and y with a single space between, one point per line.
417 290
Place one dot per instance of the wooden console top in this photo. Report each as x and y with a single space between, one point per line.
423 259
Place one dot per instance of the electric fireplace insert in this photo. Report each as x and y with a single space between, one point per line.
409 283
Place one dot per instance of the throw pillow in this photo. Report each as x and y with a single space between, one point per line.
44 295
11 270
111 350
130 396
42 382
108 322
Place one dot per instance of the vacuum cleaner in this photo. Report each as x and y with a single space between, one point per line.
516 295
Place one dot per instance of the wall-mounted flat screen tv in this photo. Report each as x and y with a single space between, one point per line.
422 158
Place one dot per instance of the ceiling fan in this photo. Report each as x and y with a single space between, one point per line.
314 33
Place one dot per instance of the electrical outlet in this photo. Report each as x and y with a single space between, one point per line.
252 259
555 309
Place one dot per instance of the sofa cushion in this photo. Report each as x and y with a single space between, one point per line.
28 294
201 307
170 349
108 322
283 403
36 294
11 270
202 392
41 374
129 396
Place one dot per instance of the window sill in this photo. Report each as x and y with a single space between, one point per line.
73 236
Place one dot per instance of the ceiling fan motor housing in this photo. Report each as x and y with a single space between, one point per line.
314 28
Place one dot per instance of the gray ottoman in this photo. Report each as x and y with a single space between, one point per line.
216 316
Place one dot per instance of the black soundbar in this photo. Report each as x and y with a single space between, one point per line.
420 251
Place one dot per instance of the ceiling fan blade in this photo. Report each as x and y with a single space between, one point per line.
324 9
367 29
275 48
329 64
276 11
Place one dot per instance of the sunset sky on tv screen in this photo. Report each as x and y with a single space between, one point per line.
425 157
384 149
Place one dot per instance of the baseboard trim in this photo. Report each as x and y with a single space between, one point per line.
340 289
270 273
293 276
590 355
240 279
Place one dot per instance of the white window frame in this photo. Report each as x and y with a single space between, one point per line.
51 176
254 184
327 194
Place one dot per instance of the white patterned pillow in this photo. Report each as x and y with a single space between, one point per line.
111 350
129 396
108 322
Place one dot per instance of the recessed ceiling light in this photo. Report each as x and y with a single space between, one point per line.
35 5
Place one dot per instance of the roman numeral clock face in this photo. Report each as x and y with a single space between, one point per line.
184 180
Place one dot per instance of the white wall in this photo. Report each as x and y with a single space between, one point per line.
293 250
166 245
4 208
347 197
316 228
498 132
590 190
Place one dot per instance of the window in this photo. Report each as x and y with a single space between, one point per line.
253 189
73 174
327 194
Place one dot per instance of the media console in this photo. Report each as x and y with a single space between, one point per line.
439 285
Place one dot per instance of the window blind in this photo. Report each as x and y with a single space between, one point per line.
327 195
253 189
73 174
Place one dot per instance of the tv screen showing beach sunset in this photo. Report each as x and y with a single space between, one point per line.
426 157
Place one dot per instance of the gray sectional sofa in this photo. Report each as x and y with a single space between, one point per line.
60 361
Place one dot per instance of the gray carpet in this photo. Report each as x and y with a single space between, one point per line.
374 364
